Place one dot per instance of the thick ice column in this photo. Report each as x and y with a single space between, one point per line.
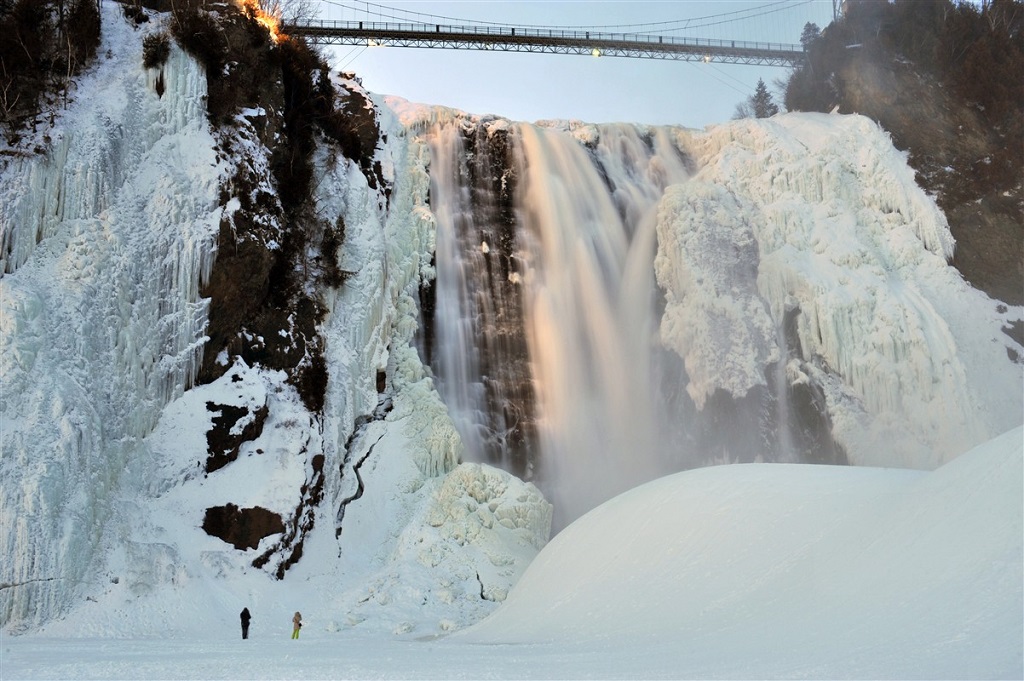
848 239
107 238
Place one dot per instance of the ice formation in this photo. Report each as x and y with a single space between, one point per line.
106 240
791 252
857 248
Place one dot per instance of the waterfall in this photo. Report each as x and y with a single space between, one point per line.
780 386
481 357
588 224
546 314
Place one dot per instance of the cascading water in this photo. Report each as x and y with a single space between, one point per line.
481 358
589 242
549 323
562 303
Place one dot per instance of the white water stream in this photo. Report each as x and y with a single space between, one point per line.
585 246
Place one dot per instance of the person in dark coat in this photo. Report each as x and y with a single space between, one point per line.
245 622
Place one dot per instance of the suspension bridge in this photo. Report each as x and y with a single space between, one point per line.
427 31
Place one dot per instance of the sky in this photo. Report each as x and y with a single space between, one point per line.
530 87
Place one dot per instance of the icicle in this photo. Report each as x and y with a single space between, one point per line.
106 240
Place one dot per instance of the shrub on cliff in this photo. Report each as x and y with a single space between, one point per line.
156 47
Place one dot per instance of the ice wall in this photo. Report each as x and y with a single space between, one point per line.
106 238
806 290
423 541
912 361
388 251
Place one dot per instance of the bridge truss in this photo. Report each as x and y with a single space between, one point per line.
555 41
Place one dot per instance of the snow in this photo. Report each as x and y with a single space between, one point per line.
817 568
739 571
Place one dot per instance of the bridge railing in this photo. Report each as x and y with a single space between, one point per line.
511 34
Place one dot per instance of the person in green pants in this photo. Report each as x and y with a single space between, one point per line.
296 624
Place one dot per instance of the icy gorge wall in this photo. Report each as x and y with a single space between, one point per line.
851 277
124 482
106 240
765 290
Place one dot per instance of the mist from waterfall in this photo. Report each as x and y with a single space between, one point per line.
581 269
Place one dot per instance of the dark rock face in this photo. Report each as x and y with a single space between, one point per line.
243 528
811 428
272 105
222 444
498 371
505 362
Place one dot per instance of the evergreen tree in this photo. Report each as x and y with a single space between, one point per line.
810 34
758 105
762 103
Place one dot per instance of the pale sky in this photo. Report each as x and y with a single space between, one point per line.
530 87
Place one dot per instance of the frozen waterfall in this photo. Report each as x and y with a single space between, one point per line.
547 311
107 239
617 302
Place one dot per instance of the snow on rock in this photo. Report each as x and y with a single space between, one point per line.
853 245
269 467
788 570
106 239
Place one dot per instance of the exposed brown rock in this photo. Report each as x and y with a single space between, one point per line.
243 528
223 445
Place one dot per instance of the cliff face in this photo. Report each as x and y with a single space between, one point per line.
205 346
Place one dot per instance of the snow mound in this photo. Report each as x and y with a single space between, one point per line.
794 569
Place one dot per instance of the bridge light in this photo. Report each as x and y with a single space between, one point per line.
707 58
371 43
596 52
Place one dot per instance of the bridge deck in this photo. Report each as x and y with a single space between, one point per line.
556 41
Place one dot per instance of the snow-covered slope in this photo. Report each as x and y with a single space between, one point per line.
777 570
744 571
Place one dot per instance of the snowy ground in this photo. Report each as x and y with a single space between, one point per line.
742 571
